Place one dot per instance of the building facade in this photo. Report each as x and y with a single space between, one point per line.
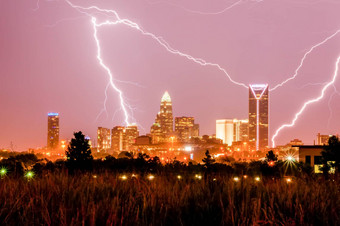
123 138
186 128
103 138
164 119
52 130
232 130
258 115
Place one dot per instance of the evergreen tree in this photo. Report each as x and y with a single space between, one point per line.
270 156
79 153
208 160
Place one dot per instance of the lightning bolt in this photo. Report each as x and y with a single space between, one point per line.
115 19
304 58
305 105
200 12
107 69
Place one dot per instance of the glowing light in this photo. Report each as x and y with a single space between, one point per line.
214 179
288 180
123 177
290 158
188 148
320 97
304 58
151 177
134 176
53 114
236 179
197 176
3 171
271 163
179 177
94 176
257 178
245 176
166 97
29 174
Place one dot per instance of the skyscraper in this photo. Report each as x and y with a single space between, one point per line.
118 138
164 118
122 138
52 130
103 138
186 128
231 130
258 115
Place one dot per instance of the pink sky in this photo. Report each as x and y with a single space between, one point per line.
48 63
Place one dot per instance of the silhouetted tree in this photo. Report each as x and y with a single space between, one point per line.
331 155
79 153
270 156
208 160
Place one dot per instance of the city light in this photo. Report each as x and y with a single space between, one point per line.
123 177
257 179
271 163
188 148
29 174
179 177
290 158
289 180
3 172
245 176
198 177
151 177
236 179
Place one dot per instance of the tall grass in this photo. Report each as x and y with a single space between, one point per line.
61 199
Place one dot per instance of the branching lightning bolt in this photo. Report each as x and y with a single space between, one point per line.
304 58
200 12
113 85
305 105
117 20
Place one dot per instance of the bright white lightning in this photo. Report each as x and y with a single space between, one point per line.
308 103
160 40
304 58
200 12
117 20
113 85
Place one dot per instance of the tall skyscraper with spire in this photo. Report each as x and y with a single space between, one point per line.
258 115
164 120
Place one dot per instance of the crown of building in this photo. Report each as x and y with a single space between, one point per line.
166 97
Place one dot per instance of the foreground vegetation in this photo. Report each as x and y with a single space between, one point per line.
166 199
139 190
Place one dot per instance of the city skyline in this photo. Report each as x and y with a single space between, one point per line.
63 75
